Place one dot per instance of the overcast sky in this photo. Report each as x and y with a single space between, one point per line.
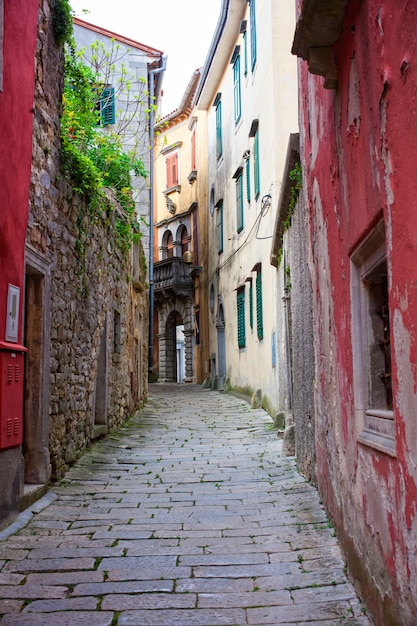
182 29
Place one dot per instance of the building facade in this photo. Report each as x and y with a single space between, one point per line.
125 66
290 255
74 305
18 27
248 90
181 244
357 133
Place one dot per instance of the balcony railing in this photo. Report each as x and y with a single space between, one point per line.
173 275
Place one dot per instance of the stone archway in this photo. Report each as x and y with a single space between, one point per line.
171 315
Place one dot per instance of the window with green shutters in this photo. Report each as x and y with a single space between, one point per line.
253 50
241 331
256 170
245 53
259 313
219 227
239 202
219 138
107 107
248 179
237 89
251 304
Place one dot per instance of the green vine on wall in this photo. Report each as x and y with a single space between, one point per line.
98 166
296 177
61 21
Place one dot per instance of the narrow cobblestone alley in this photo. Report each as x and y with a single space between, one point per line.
186 516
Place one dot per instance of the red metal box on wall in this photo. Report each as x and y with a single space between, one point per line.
11 394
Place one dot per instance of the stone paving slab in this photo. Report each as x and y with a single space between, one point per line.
188 515
60 618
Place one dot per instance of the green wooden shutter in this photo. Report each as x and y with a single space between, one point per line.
107 106
239 203
241 331
248 179
219 225
219 140
253 34
237 89
256 171
245 53
251 304
259 312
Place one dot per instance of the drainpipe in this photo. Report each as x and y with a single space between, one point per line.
152 73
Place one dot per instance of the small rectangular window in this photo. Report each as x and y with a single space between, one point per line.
219 139
253 50
193 152
117 330
219 227
237 94
371 341
107 106
171 162
197 326
241 331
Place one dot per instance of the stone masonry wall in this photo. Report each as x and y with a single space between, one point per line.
98 316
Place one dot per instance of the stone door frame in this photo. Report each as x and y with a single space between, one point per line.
167 353
37 316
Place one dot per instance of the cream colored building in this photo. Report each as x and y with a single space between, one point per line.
180 350
248 90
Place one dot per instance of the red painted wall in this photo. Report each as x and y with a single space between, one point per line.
16 104
359 147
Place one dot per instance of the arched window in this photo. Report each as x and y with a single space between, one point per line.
167 245
183 239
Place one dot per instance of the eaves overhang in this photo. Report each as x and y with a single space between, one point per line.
148 50
220 51
318 28
183 111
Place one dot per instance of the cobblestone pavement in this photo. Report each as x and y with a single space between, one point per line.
186 516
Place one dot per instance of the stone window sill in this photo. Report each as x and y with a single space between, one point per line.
378 431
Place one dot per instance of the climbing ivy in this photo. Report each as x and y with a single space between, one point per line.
61 21
97 164
296 176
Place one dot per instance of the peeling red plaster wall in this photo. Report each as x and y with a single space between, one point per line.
359 148
16 104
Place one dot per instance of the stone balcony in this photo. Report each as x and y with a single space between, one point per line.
173 277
